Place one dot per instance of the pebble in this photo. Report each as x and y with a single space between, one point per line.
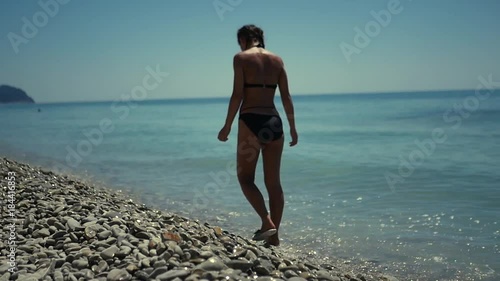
5 276
118 275
212 264
192 277
58 234
172 274
250 256
325 275
80 232
239 264
296 279
44 232
104 234
268 278
206 254
90 232
80 263
158 271
123 252
265 267
102 266
290 273
141 275
73 224
110 252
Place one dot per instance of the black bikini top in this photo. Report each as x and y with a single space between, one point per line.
272 86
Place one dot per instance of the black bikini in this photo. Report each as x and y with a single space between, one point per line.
265 127
271 86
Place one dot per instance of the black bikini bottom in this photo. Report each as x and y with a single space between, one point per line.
265 127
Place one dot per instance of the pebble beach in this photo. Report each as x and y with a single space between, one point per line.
57 227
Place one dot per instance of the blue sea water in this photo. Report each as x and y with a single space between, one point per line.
407 183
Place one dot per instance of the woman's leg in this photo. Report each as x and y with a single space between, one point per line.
247 155
271 155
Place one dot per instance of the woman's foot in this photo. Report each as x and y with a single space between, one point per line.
266 230
267 224
263 235
273 240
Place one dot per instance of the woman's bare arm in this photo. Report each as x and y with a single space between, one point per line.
286 99
237 95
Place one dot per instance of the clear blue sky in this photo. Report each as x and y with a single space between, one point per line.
98 50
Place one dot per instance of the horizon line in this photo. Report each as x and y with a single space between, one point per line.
297 95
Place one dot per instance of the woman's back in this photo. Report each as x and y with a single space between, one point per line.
264 68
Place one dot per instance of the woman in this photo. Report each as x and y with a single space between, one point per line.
257 73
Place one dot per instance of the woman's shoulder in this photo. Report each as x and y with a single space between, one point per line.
273 55
245 57
275 58
251 54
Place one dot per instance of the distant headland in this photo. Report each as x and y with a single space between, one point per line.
9 94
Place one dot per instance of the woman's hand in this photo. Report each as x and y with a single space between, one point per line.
224 132
295 137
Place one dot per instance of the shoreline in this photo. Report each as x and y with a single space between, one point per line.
66 227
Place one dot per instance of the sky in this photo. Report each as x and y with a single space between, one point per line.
97 50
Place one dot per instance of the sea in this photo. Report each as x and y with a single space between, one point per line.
403 183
